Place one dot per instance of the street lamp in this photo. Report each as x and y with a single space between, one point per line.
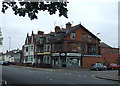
96 44
9 42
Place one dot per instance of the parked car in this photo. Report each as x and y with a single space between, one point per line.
4 63
113 66
98 66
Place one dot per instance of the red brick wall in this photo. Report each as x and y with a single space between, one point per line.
78 37
88 60
110 57
106 57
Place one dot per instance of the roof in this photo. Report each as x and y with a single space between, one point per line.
58 36
104 45
9 53
64 32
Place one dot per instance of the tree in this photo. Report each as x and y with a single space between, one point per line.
32 8
1 38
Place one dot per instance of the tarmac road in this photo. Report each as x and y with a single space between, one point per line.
17 75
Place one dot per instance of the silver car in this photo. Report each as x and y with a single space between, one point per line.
98 66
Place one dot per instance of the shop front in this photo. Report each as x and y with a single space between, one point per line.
69 60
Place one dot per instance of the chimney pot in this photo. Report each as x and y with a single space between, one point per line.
57 28
68 25
40 33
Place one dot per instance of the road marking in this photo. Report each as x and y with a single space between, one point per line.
51 79
65 73
82 75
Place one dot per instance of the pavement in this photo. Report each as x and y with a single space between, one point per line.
108 75
112 75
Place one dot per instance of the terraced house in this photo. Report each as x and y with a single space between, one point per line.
73 46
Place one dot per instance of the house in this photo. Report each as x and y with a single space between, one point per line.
1 55
109 54
71 47
31 47
12 56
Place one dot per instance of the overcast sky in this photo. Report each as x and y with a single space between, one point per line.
96 15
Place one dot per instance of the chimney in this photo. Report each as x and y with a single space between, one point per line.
40 33
68 25
57 28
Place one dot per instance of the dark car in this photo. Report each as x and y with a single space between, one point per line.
113 66
4 62
98 66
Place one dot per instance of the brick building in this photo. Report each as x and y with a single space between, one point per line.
73 46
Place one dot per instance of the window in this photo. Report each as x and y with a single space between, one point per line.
91 49
45 48
117 52
26 58
82 49
48 48
111 51
46 59
31 48
72 36
26 49
41 40
103 50
47 39
58 47
83 37
89 38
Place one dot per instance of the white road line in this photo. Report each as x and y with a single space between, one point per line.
66 74
51 79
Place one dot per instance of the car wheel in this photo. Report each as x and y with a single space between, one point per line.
97 69
105 69
112 68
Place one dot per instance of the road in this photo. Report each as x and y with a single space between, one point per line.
20 75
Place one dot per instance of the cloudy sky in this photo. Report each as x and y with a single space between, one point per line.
96 15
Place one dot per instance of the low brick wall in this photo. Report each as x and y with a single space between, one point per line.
30 65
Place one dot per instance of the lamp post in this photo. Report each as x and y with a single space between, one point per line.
119 61
9 42
96 44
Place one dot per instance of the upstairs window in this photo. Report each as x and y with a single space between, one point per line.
89 38
58 47
31 48
26 49
117 52
111 51
103 51
72 35
41 40
45 48
83 37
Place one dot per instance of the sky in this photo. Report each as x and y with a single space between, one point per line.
98 16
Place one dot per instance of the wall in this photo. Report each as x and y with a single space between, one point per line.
110 57
88 60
